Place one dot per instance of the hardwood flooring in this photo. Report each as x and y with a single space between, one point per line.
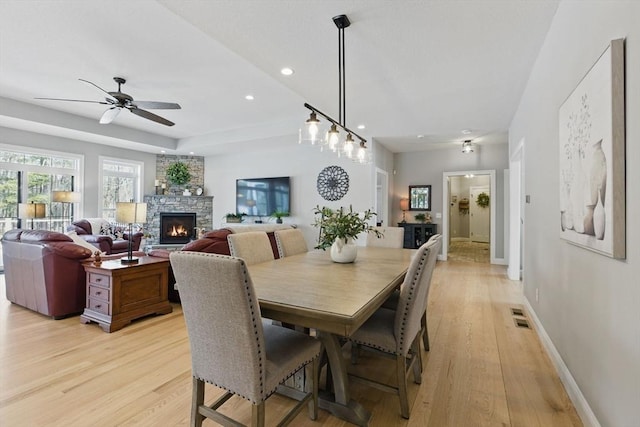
482 369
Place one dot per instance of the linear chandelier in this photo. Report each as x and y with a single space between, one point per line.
331 139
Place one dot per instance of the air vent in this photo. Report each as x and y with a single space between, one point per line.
521 323
517 312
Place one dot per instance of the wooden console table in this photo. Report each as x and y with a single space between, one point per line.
119 293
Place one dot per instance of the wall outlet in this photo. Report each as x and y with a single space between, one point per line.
537 296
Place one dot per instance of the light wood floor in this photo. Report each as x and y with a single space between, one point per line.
467 251
482 370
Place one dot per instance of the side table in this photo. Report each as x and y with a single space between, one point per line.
119 293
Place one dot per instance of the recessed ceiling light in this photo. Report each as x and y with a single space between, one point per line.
286 71
420 136
163 151
466 131
249 97
361 126
191 152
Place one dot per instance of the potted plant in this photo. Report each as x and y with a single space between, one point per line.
235 217
338 228
420 217
178 173
279 215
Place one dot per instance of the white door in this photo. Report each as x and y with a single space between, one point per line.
479 218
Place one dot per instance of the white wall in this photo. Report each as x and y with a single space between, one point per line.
589 304
303 164
427 167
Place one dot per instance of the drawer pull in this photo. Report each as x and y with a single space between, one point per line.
98 293
98 280
98 305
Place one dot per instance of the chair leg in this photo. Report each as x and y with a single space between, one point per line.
197 399
425 331
257 415
315 378
402 385
417 365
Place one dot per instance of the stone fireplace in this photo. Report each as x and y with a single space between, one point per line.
201 207
177 227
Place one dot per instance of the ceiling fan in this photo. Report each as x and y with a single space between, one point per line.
119 100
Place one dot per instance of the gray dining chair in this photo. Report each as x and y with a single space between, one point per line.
389 237
290 242
252 246
392 301
231 346
396 333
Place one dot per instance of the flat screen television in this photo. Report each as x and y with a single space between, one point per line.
263 196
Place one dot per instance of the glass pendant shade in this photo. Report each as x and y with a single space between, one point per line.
312 126
333 138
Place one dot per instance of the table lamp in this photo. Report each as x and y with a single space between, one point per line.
130 212
31 211
404 205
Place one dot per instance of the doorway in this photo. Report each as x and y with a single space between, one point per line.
462 216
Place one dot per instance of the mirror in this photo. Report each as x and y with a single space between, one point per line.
419 197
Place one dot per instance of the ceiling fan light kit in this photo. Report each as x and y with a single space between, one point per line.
331 138
118 100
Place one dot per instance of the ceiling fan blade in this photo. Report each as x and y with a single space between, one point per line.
109 115
153 105
95 85
151 116
74 100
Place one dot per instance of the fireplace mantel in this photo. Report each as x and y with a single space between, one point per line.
201 205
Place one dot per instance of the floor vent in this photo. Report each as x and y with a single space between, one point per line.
522 323
517 312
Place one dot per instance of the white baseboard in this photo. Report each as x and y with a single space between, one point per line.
499 261
577 398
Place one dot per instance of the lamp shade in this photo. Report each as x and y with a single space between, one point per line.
404 204
130 212
32 210
66 196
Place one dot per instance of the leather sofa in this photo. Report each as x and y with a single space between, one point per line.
103 242
43 272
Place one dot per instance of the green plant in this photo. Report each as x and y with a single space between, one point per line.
420 217
482 200
279 215
235 217
178 173
341 224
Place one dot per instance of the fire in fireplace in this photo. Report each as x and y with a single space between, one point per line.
177 227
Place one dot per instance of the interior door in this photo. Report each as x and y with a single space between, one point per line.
479 218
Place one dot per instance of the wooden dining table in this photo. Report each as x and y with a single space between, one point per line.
335 299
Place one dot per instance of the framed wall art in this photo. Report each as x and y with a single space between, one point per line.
419 197
592 158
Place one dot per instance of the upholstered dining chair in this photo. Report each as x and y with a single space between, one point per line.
231 346
390 237
396 333
290 242
253 246
392 301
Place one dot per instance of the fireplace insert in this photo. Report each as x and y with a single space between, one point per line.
177 227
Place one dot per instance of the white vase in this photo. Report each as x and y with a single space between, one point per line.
343 251
599 219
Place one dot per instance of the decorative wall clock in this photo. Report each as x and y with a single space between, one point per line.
333 183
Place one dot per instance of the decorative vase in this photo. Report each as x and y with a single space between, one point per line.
186 192
343 251
578 197
598 179
278 220
599 218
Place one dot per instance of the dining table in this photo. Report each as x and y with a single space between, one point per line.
334 299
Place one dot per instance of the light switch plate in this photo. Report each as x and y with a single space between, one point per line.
438 215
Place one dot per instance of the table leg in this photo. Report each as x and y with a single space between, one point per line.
339 403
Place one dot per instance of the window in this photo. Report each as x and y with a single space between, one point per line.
121 182
31 175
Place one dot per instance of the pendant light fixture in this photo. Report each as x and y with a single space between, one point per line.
331 139
467 146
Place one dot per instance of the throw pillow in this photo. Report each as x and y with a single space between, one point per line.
106 230
80 241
